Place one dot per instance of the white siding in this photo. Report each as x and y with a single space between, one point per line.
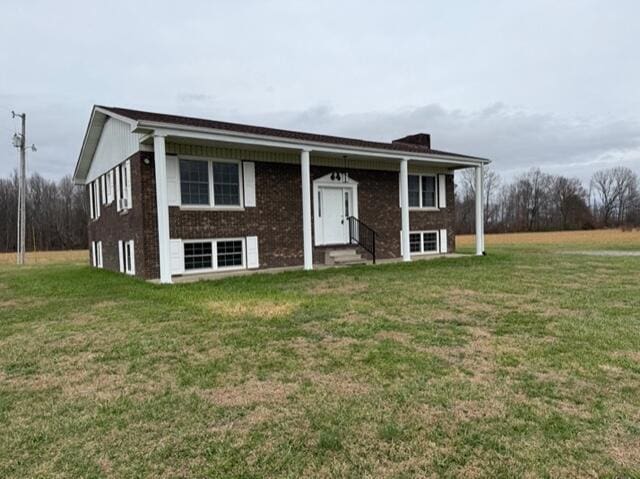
116 144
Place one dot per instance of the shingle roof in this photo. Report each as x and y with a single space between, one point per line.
138 115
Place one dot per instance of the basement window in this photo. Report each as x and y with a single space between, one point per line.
229 253
423 242
216 254
198 255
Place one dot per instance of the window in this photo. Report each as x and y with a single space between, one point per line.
194 182
226 184
423 242
94 254
94 199
123 186
422 191
414 242
210 183
429 241
428 191
110 187
92 211
229 253
414 191
198 255
214 254
103 189
126 252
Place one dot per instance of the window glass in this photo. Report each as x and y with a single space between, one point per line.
198 255
128 256
229 253
430 241
346 204
428 191
194 182
414 191
414 242
226 184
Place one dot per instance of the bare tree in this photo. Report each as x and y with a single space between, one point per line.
605 190
56 214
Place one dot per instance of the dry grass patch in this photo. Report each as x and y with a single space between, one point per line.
474 360
8 304
469 301
397 336
338 384
48 257
265 309
339 285
605 238
249 393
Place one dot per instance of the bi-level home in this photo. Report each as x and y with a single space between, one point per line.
174 195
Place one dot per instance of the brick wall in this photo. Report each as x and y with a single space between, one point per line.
113 226
276 220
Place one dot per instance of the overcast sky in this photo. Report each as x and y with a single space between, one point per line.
527 83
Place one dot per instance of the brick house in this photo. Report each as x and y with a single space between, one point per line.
172 195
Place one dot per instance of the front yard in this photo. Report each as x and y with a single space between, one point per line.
522 363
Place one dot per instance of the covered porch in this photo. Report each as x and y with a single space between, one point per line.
335 208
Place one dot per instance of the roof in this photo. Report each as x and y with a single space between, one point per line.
145 121
138 115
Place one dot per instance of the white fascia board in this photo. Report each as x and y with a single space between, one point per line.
183 131
124 119
87 155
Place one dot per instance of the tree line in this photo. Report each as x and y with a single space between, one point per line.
58 211
539 201
57 214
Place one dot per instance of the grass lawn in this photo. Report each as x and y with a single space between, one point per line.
524 363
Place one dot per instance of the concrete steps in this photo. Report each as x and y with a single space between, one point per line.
343 256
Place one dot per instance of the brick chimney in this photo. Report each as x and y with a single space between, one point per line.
419 139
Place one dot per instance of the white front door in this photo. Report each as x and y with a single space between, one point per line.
335 208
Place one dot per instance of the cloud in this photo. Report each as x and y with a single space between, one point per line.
514 139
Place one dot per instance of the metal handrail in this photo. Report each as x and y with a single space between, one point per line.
362 235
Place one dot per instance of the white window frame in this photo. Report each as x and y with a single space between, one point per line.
436 187
422 233
110 188
99 254
128 267
103 189
214 255
94 256
123 192
212 206
95 198
92 205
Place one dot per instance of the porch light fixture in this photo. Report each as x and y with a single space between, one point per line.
336 176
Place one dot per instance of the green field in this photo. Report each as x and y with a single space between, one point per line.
524 363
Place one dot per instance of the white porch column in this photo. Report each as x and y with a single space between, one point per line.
162 205
479 213
404 205
306 209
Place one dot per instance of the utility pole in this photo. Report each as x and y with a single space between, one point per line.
20 141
